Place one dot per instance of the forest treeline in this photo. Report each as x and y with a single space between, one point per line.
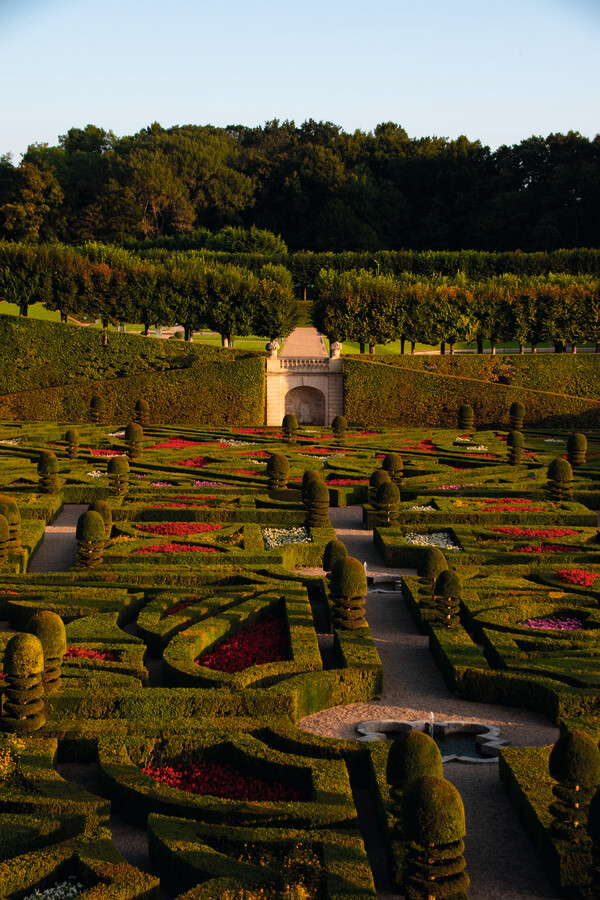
163 287
316 186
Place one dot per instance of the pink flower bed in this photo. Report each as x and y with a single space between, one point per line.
252 472
178 528
580 577
86 653
176 548
220 780
263 642
554 623
537 532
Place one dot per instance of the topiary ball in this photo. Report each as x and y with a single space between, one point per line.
432 562
103 508
290 423
317 492
97 402
142 406
388 494
10 510
24 656
49 628
72 436
515 439
278 463
433 811
308 476
334 551
413 755
340 423
575 760
90 528
118 465
448 584
392 462
560 470
134 433
348 578
577 443
47 463
517 410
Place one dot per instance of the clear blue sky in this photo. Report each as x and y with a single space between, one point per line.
497 70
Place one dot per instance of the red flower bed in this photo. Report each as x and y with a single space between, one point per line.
183 604
537 532
174 506
174 444
220 780
98 452
197 462
243 472
258 454
86 653
178 528
581 577
260 643
544 548
176 548
338 482
8 592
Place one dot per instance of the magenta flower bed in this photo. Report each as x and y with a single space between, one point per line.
340 482
220 780
580 577
537 532
86 653
554 623
178 528
263 642
176 548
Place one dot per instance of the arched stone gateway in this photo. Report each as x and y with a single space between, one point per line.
307 404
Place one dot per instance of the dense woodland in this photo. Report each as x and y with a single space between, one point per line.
315 185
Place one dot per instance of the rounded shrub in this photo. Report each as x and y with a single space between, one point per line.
447 592
97 410
387 503
47 468
91 536
308 476
102 507
575 764
142 411
134 435
577 449
278 468
516 415
348 586
466 416
290 427
23 668
378 477
10 511
340 427
4 539
72 439
316 501
560 479
413 755
448 584
393 464
593 830
334 551
431 563
49 628
118 475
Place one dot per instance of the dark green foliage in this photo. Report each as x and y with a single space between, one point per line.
593 830
413 755
142 412
91 537
378 477
278 468
466 416
560 479
577 449
134 436
4 539
290 428
349 592
10 510
434 820
575 763
102 507
387 503
118 475
316 501
49 628
24 708
393 464
447 593
517 415
308 476
340 428
515 443
432 563
72 439
97 410
334 551
47 468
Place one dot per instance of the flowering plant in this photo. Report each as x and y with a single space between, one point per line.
174 444
87 653
176 548
544 548
263 642
339 482
196 462
280 537
554 623
580 577
178 528
219 779
537 532
99 452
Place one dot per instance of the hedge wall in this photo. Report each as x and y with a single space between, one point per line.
400 391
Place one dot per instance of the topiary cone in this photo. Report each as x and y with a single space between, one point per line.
49 628
290 428
4 540
97 409
142 412
577 449
378 477
308 476
515 443
431 563
90 534
340 428
575 763
134 435
387 504
447 594
334 551
47 468
24 708
316 501
118 475
278 468
560 479
102 507
466 416
348 591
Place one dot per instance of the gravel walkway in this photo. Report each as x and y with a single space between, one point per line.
58 550
501 861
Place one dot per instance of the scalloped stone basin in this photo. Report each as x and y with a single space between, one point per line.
468 742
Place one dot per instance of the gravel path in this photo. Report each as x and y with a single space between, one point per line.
58 550
501 861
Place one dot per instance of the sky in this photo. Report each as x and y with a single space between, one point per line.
494 70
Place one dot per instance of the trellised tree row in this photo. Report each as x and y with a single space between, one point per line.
111 284
376 309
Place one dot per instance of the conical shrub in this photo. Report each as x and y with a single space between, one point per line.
290 428
516 415
118 475
560 479
134 436
90 534
49 628
515 443
387 504
378 477
24 708
97 410
349 592
393 464
10 511
278 469
575 764
434 822
577 449
466 417
340 429
317 505
47 468
72 439
142 412
102 507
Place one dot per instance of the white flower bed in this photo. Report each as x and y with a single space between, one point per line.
11 442
279 537
96 474
118 434
481 448
232 443
64 890
440 539
462 440
554 440
423 509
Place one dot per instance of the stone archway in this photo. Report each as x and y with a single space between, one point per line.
307 404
